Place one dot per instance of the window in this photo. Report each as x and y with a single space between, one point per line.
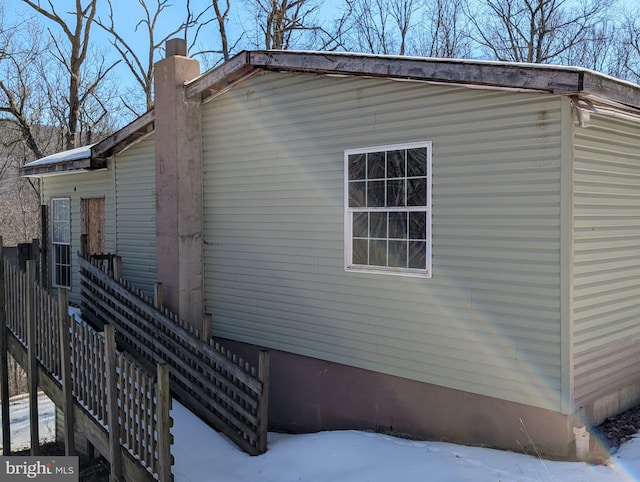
388 209
61 240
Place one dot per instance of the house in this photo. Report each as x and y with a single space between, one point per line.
443 248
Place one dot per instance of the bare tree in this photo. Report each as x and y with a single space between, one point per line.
221 19
604 50
370 27
538 31
402 12
630 45
23 107
221 12
286 24
77 34
16 86
140 62
384 26
444 30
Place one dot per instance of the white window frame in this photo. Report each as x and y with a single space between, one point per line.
349 212
55 262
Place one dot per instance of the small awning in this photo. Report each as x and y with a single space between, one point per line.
65 162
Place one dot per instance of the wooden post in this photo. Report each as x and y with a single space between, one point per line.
117 267
65 369
44 227
206 327
32 365
263 407
35 255
112 407
165 459
4 365
157 295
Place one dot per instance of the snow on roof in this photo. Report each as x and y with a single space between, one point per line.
76 154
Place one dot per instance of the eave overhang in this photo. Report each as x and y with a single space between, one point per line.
94 157
125 137
554 79
70 161
63 167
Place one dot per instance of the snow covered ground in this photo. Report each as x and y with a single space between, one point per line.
350 456
202 455
20 437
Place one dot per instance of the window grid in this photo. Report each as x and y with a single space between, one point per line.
387 202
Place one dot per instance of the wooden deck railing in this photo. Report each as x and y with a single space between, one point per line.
103 380
223 390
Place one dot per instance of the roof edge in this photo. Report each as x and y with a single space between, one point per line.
62 167
125 137
555 79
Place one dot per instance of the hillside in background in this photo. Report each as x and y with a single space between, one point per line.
20 198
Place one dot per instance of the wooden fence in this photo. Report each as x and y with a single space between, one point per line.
96 375
223 390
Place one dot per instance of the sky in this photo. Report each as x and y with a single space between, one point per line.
203 455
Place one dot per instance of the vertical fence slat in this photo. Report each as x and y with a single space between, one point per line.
32 359
114 441
163 397
263 408
148 423
121 401
4 367
84 365
128 398
65 372
137 420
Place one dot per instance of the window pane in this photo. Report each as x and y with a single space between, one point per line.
416 162
360 225
357 166
360 251
398 225
66 234
58 275
378 228
375 165
64 255
398 254
357 192
418 225
395 164
58 232
377 252
395 193
375 194
417 192
418 254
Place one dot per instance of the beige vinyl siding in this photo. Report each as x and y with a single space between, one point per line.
92 184
136 211
607 254
488 321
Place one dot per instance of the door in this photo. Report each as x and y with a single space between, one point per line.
93 220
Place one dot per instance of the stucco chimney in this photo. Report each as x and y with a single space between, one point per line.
178 184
